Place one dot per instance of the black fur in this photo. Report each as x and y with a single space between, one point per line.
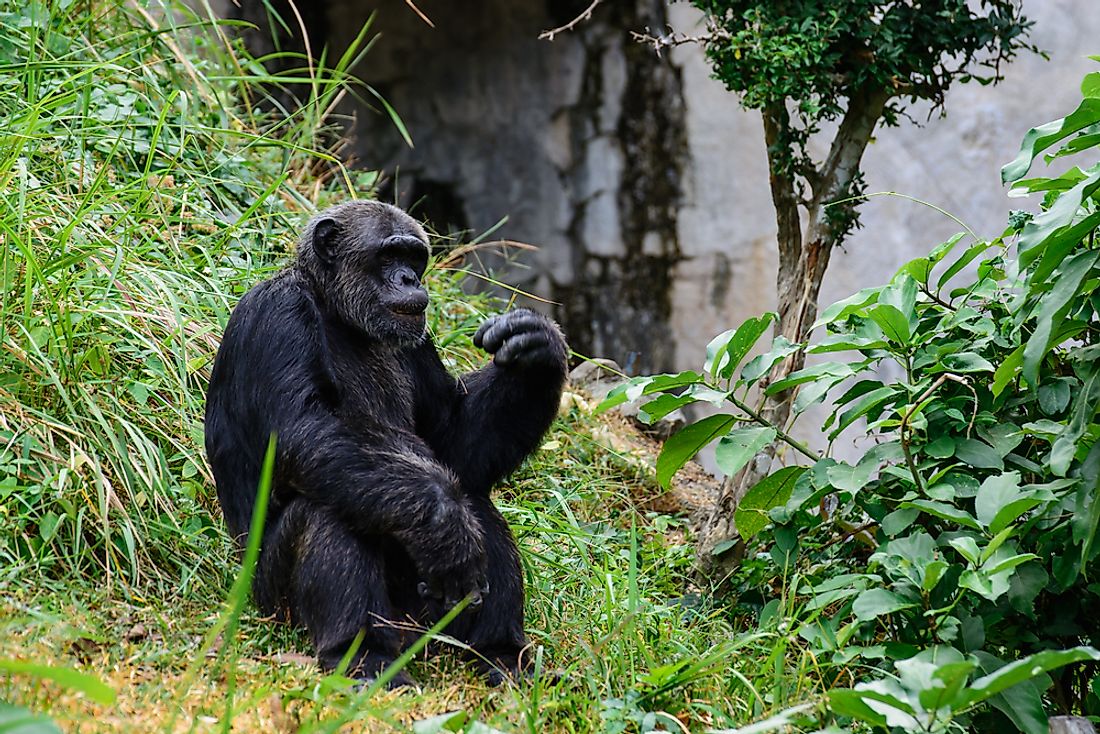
380 511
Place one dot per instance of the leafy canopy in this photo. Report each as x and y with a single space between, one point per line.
819 51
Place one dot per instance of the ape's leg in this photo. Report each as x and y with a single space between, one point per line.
335 588
495 631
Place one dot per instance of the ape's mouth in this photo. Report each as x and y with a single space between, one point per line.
410 312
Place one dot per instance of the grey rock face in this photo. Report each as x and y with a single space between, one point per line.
640 179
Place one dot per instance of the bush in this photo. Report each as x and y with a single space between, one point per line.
956 560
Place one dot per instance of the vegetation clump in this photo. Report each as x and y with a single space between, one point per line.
954 562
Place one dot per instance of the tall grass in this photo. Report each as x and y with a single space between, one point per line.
143 192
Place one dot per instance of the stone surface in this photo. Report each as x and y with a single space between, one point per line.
640 179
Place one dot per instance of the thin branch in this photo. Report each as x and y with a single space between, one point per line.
420 12
913 409
779 432
583 17
672 38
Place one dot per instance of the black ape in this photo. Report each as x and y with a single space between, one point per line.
380 511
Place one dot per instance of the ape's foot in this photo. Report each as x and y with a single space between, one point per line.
499 669
370 668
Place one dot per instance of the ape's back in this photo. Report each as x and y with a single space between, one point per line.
248 388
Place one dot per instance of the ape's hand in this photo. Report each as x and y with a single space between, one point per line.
448 589
523 339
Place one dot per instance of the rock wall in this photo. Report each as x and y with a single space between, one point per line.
580 145
639 178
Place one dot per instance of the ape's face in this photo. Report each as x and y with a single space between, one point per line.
370 259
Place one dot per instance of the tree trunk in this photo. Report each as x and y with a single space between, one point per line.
802 265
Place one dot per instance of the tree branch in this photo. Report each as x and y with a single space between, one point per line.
779 432
672 38
865 108
784 196
584 16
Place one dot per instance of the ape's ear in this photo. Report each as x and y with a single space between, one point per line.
325 240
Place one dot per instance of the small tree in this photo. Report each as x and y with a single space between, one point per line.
857 63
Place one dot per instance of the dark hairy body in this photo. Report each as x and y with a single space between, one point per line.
380 513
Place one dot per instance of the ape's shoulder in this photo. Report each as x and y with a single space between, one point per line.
281 304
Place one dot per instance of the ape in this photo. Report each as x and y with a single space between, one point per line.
380 511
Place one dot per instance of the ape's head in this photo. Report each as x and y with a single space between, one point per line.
366 259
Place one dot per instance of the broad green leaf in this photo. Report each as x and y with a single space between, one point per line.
838 370
1059 246
846 342
686 443
942 448
846 702
725 352
933 572
902 295
978 454
952 678
874 603
944 511
846 307
968 548
862 407
990 586
1090 85
899 520
1064 182
736 448
1022 703
1009 563
918 269
894 323
942 250
1087 138
1054 397
849 478
1086 519
759 366
965 259
772 491
1025 669
1082 413
1040 138
998 540
635 387
74 680
814 393
1006 373
1012 512
1055 228
18 720
1052 310
662 405
966 362
995 493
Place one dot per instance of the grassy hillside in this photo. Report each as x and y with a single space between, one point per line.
142 195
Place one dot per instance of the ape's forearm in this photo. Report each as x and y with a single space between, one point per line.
383 492
501 420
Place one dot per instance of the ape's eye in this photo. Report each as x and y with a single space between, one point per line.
386 260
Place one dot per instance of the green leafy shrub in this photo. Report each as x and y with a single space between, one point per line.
958 555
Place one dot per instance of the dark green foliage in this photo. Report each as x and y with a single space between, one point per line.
960 553
814 57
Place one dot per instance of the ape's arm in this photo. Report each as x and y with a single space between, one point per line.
485 423
278 381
